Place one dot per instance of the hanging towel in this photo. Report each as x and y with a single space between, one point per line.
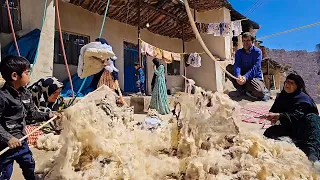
176 56
194 60
147 49
167 56
157 52
236 27
143 48
214 28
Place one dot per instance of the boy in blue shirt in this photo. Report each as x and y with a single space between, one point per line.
140 78
15 105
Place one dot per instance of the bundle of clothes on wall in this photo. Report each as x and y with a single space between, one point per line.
192 59
225 29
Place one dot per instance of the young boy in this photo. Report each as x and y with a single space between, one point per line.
140 79
16 104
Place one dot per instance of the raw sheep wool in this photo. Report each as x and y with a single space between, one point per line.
202 141
48 142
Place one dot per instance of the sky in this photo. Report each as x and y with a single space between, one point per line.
280 15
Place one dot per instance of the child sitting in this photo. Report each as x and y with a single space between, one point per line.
15 104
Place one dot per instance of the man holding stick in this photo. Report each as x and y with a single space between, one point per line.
16 104
247 68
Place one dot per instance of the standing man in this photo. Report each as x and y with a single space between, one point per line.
247 68
140 79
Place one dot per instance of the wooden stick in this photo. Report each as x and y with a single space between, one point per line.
120 93
26 136
199 38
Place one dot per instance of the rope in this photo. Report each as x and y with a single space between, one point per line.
172 52
255 8
251 7
42 24
100 34
196 32
291 30
62 46
104 18
12 29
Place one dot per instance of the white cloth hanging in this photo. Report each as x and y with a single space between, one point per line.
214 28
110 67
236 27
147 49
194 60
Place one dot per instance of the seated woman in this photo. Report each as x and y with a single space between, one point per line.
297 117
46 97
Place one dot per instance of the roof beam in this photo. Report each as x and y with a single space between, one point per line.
161 11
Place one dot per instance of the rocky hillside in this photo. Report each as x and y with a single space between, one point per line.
307 64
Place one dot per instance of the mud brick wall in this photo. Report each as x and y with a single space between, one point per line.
307 64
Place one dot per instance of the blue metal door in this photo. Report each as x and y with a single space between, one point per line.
130 57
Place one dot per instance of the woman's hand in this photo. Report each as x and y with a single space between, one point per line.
273 117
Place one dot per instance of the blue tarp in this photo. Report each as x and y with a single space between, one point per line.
76 82
27 44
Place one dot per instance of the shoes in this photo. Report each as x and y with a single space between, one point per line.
236 93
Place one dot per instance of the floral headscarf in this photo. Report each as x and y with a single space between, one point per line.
42 89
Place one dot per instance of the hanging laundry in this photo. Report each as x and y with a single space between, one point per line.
194 60
214 28
157 52
176 56
225 29
236 27
167 56
143 47
202 27
254 32
147 49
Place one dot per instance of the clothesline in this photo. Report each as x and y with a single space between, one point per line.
170 51
221 22
291 30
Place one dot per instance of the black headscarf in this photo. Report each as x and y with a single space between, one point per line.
156 62
285 102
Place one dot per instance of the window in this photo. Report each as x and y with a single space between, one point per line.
173 68
72 43
15 15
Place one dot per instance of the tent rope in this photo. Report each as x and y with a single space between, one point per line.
100 34
62 46
12 28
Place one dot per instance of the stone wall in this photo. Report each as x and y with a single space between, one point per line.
305 63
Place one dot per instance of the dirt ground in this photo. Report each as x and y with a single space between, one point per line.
41 156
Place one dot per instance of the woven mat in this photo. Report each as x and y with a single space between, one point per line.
33 138
253 113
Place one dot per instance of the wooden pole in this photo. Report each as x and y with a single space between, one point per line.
139 51
183 51
32 132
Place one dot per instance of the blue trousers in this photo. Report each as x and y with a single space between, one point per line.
140 87
23 156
